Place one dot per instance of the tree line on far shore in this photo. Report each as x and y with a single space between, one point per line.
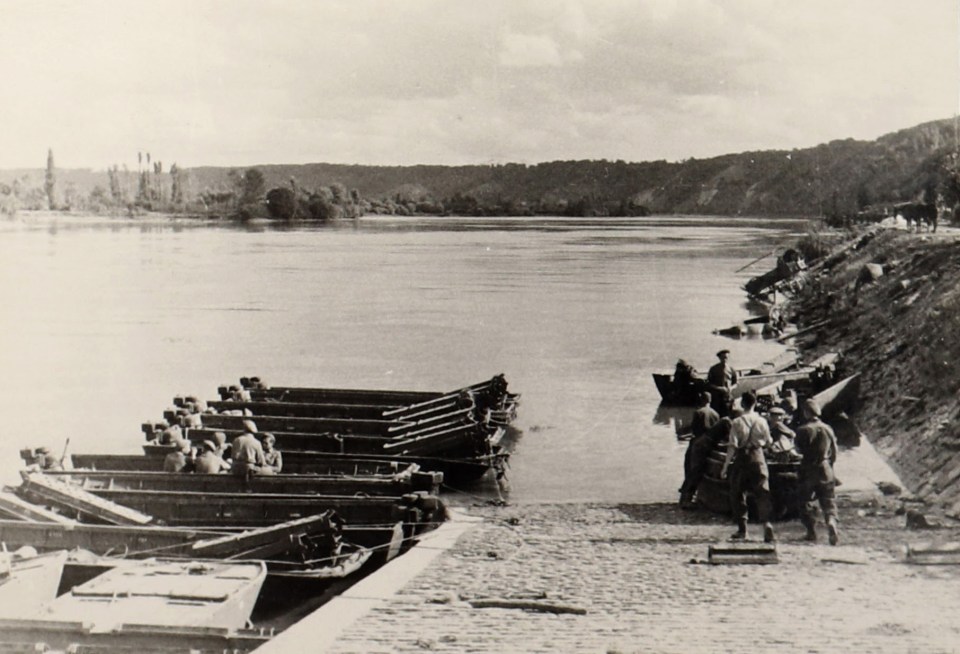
243 196
843 180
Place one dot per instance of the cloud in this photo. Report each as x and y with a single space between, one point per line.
435 81
529 50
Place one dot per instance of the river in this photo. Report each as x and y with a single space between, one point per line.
104 321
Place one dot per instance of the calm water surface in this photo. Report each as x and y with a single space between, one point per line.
103 322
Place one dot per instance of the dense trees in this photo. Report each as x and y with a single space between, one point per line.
324 204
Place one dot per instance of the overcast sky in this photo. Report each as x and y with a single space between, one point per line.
463 81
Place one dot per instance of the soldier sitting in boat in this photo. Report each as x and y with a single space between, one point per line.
223 447
248 458
181 459
238 394
273 460
44 459
683 379
170 435
209 461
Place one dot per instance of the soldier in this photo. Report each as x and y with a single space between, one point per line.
698 450
247 455
179 460
46 460
818 446
209 461
273 460
749 435
721 378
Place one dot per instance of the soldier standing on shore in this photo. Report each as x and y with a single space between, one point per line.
818 445
749 434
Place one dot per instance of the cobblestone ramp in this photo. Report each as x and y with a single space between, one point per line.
631 568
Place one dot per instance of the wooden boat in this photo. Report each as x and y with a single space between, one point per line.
161 593
32 635
333 464
714 492
285 542
396 484
452 442
28 581
784 368
834 402
789 265
492 389
261 509
458 470
246 509
345 426
304 409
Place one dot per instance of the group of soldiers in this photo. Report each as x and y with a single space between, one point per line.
249 454
751 440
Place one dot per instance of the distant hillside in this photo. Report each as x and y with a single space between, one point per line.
837 177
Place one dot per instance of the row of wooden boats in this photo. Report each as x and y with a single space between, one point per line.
459 433
361 479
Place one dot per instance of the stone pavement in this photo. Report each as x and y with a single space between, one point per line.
639 574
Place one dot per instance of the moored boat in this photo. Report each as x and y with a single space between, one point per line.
166 592
489 395
456 470
784 368
28 580
407 481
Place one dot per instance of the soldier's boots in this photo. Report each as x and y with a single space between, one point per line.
834 531
768 535
811 534
741 532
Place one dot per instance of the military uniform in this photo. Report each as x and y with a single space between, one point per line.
817 444
749 435
704 439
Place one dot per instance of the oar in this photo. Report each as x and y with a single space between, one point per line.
63 457
760 258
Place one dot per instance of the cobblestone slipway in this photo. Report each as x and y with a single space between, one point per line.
639 573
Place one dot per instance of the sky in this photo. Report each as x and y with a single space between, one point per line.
403 82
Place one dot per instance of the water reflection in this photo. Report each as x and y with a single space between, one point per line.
677 417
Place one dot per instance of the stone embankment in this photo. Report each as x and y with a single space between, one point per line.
893 306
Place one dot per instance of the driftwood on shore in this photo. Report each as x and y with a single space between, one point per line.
539 606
